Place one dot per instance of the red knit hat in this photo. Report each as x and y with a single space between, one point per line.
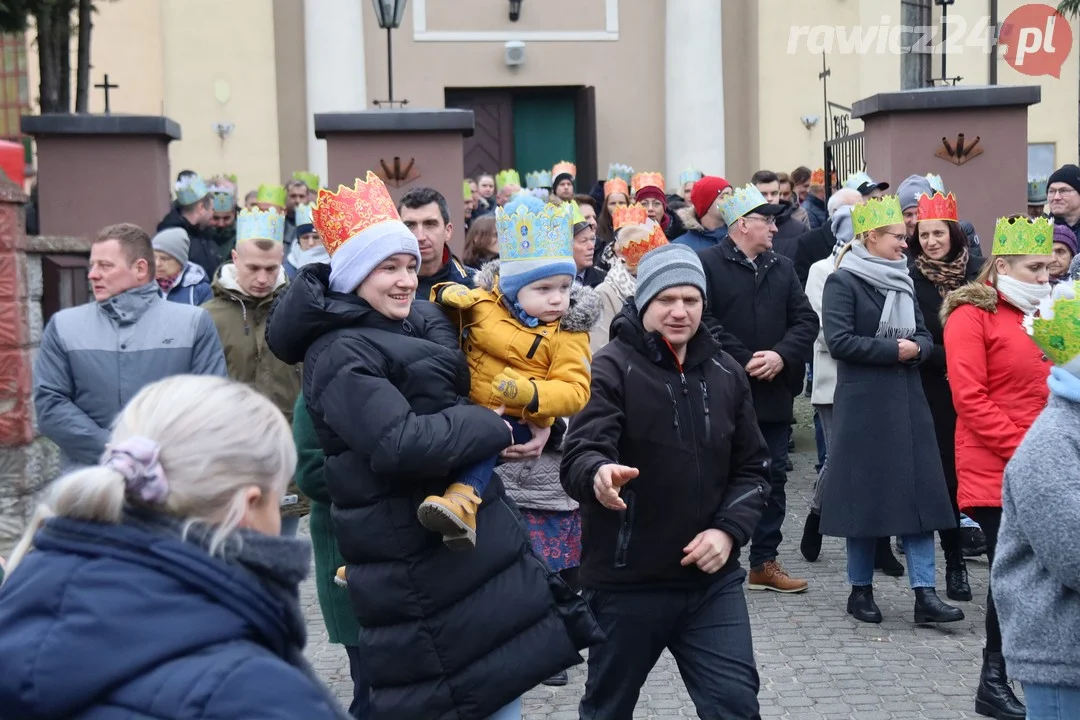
651 191
705 192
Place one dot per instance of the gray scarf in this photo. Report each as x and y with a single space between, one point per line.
890 278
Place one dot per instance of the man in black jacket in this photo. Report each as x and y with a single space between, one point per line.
671 473
193 211
425 212
767 325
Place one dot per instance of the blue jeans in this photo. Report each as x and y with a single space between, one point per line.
478 475
767 535
918 550
510 712
1051 702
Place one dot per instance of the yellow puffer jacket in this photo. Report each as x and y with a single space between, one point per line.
555 357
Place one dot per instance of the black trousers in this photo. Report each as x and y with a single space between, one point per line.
361 704
989 519
708 632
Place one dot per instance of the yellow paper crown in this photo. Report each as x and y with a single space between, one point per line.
467 188
1024 236
271 195
507 177
345 214
576 216
876 213
308 178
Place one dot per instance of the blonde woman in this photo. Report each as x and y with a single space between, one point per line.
155 584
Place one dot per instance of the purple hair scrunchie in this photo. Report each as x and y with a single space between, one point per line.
137 459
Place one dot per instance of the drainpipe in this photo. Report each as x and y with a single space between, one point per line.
993 75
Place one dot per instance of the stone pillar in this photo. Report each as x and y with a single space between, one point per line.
97 170
334 61
694 88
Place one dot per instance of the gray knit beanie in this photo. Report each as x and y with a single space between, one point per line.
173 241
909 191
666 267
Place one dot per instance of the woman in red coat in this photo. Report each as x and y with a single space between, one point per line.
998 380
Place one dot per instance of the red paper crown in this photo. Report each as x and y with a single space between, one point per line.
647 179
938 207
348 212
629 215
634 250
616 185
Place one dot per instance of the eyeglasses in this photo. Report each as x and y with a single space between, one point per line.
898 236
770 221
1062 192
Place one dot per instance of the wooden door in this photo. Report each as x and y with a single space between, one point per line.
491 147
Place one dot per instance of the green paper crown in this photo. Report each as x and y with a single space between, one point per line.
1057 329
576 216
1024 236
308 178
507 177
875 213
272 195
467 190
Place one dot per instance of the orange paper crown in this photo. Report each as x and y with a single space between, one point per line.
636 249
818 177
348 212
616 185
629 215
564 166
938 207
647 179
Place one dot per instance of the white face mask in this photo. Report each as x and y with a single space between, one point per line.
1024 296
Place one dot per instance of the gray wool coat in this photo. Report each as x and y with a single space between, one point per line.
885 475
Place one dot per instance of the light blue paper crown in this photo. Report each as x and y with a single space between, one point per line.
618 170
303 214
856 180
690 175
1037 191
256 224
527 235
936 184
190 189
742 201
224 200
538 179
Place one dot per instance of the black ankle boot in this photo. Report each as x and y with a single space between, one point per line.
995 696
559 679
811 537
930 609
861 605
956 577
885 561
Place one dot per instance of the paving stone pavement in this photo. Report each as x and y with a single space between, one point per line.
815 661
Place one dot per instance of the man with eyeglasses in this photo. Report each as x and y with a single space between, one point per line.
759 313
1063 194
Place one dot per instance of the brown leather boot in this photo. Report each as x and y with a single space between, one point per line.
453 515
771 575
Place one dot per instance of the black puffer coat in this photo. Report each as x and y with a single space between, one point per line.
447 635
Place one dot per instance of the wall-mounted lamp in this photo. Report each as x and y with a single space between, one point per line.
810 121
515 10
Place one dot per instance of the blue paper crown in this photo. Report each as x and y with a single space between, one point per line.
303 214
224 200
618 170
936 184
527 235
256 224
690 175
1037 191
190 189
742 201
538 179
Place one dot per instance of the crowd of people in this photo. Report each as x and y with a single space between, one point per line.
560 441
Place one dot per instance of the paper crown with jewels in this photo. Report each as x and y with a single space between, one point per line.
273 195
507 177
1056 327
634 250
647 179
618 170
538 179
190 189
740 202
936 183
223 198
304 214
690 175
616 185
938 207
308 178
1023 236
1037 191
564 167
633 214
342 215
876 213
256 224
545 235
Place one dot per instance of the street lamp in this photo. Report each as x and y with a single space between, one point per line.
388 13
944 5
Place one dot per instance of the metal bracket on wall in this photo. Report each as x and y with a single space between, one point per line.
395 174
959 153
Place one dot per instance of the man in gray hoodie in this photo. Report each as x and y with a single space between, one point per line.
1036 573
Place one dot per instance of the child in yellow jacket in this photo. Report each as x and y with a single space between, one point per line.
525 331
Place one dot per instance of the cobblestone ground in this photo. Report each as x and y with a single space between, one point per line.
815 661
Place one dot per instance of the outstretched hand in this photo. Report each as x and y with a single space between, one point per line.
607 482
